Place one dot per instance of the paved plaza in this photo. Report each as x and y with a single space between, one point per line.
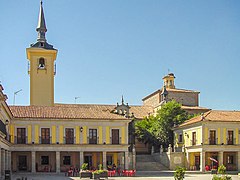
163 175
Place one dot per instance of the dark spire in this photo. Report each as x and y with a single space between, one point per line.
41 29
122 100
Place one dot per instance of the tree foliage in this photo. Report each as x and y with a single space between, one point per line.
158 129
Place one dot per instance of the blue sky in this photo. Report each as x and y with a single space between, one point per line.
107 49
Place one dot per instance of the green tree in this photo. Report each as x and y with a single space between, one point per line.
144 130
158 129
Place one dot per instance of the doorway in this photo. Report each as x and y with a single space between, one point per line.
88 160
197 162
22 163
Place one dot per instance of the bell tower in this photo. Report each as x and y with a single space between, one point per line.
41 56
168 81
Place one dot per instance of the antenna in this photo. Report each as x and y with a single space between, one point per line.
75 99
14 97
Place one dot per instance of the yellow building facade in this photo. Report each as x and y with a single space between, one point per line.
210 140
54 144
5 121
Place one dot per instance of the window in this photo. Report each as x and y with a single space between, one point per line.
45 135
230 159
66 160
44 160
41 64
115 136
212 139
193 138
92 136
180 138
230 138
69 136
21 135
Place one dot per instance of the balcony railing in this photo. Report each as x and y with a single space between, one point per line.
194 142
115 141
231 141
69 140
213 141
93 140
20 140
45 140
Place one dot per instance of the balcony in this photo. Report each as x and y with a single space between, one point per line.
231 141
194 142
20 140
93 140
69 140
115 140
213 141
45 140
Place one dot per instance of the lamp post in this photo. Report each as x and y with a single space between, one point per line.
76 99
14 97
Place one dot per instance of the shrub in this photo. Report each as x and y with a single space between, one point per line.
100 167
99 171
84 166
225 177
179 173
221 169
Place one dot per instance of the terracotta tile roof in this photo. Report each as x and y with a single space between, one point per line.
76 111
171 90
194 108
215 115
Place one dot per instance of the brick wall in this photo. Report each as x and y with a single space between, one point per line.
184 98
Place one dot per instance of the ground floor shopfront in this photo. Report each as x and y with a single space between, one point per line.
207 159
47 160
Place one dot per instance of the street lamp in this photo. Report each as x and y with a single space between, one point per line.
76 99
14 97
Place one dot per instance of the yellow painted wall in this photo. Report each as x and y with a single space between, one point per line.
12 132
115 158
100 134
188 138
236 135
41 80
206 135
219 135
84 134
94 159
61 134
199 136
123 135
36 131
224 136
192 158
107 135
29 134
77 134
54 134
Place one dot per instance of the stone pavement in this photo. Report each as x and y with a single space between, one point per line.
141 175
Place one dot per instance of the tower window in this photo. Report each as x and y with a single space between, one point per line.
41 64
